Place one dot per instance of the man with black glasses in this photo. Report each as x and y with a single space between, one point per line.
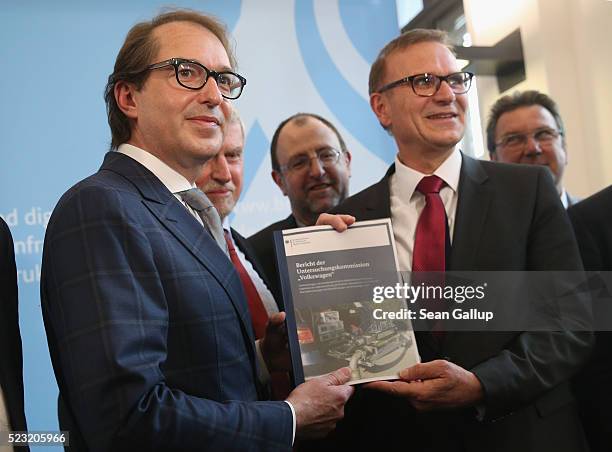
146 318
477 391
312 166
526 127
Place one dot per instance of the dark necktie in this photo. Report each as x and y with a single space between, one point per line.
259 316
198 201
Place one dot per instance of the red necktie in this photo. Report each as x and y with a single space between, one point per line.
259 316
429 252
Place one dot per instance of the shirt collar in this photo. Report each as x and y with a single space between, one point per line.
409 178
174 181
564 198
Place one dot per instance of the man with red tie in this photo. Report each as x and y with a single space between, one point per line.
221 181
474 391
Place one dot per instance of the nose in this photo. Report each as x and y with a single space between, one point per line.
316 168
444 94
210 94
220 169
532 147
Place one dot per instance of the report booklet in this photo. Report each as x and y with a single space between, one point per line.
328 282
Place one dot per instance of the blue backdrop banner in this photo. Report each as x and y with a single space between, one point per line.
301 55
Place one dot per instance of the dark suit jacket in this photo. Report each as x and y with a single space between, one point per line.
262 244
509 217
147 323
11 365
592 221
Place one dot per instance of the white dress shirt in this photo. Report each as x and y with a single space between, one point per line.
564 199
407 203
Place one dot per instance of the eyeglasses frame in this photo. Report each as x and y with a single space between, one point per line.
176 62
441 78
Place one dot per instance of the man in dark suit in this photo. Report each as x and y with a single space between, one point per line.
592 221
526 127
146 319
474 391
11 368
311 165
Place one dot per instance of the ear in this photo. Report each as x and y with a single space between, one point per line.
379 106
348 157
124 96
278 180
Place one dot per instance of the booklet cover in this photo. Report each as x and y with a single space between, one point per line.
328 281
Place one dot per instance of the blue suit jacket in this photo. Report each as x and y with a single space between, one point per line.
147 323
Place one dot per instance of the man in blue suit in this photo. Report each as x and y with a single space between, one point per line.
147 322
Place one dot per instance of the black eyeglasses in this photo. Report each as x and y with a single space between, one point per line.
193 75
426 85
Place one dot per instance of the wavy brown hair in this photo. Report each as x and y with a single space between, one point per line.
137 52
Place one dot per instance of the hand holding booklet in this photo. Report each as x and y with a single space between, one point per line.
328 280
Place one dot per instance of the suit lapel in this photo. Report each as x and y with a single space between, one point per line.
187 230
289 222
472 207
378 202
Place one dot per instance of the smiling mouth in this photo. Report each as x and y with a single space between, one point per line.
205 120
218 192
442 116
318 187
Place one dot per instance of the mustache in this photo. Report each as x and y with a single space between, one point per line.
324 180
